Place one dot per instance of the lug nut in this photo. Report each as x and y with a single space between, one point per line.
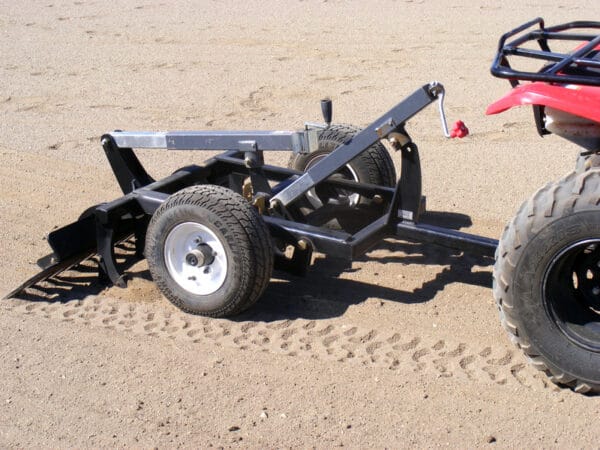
302 244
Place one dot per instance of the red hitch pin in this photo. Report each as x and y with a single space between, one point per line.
459 130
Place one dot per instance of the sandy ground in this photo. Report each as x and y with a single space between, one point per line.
402 350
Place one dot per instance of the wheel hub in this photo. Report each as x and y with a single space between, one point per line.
201 256
588 277
195 258
572 292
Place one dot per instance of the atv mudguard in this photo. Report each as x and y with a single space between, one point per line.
583 101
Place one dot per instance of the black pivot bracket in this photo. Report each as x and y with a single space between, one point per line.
126 166
406 202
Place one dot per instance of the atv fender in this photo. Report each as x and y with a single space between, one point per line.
583 101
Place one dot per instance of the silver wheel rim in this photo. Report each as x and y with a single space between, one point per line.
313 198
185 240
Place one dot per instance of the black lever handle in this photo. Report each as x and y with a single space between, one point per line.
327 110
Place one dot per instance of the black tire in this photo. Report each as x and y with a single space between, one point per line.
374 166
547 280
224 227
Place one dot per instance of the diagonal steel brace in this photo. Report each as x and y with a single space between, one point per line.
379 129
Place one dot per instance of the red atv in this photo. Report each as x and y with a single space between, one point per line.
547 271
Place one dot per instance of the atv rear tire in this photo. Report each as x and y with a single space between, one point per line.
587 162
209 251
547 280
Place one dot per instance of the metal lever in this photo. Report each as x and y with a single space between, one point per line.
441 95
327 110
459 130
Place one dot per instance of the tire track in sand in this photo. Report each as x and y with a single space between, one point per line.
321 340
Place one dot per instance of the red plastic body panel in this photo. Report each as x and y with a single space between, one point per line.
583 101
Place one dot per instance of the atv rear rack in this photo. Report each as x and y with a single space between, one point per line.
581 66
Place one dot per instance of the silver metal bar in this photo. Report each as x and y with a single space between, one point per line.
296 141
139 139
441 92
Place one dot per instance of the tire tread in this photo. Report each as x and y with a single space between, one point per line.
250 235
551 202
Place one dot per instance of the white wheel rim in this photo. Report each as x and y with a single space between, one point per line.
353 198
314 199
199 279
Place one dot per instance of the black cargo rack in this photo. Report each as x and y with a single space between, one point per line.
581 66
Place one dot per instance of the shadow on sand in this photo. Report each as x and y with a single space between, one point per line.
322 293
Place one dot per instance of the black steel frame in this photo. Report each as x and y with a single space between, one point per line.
102 226
581 66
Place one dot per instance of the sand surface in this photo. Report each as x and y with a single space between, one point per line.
404 349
